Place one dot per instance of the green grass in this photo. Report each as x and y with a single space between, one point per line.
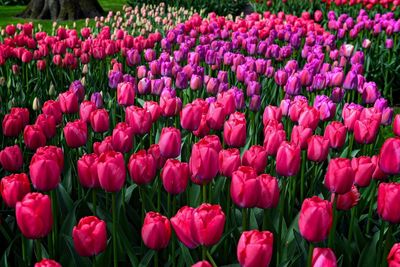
8 13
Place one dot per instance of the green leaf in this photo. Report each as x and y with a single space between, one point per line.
186 255
147 258
128 192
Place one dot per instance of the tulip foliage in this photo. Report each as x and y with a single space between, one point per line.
201 141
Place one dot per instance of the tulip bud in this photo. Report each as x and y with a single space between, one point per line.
90 236
393 259
11 158
111 171
75 133
170 142
255 248
315 219
229 161
182 223
87 171
388 204
208 222
175 176
142 167
34 216
156 231
288 159
47 263
323 257
335 132
203 162
13 188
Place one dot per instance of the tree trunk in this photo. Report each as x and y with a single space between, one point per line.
62 9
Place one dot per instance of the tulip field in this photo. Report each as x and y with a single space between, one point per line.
164 136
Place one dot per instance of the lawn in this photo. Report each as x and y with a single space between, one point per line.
8 15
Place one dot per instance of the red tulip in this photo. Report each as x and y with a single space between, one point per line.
340 176
273 139
323 257
170 105
347 200
300 136
378 174
309 118
235 130
34 216
363 168
245 188
351 112
85 109
139 119
122 137
318 148
288 159
75 133
393 258
154 150
191 117
182 223
13 188
11 158
216 116
47 263
34 137
315 219
48 125
154 109
99 120
203 162
365 131
388 202
45 168
90 236
229 161
142 167
53 108
103 146
208 223
335 132
87 171
202 264
175 176
269 192
271 113
12 125
255 248
170 142
23 113
256 157
389 156
156 231
111 171
125 94
69 102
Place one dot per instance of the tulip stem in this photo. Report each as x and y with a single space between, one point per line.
303 166
38 246
204 188
372 198
352 216
23 242
114 227
387 244
156 258
203 252
211 259
53 196
244 219
310 252
331 239
94 201
94 261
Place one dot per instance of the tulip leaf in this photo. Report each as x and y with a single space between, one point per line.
74 260
147 258
141 101
128 192
64 198
368 254
186 255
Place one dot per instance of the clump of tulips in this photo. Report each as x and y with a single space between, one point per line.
262 137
